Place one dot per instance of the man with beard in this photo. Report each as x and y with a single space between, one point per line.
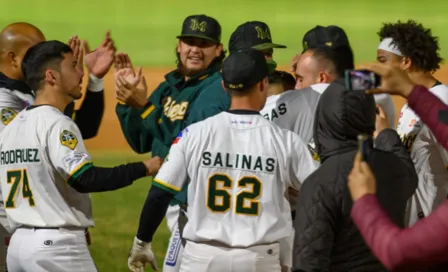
150 124
15 94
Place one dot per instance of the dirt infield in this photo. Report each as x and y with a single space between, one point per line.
110 136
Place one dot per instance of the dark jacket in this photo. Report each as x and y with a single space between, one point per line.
325 237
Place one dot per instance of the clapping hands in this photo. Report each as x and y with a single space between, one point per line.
130 87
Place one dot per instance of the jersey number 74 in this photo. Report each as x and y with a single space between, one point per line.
219 200
16 178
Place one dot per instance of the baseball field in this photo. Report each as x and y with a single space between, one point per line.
146 30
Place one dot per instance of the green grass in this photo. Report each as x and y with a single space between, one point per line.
116 216
147 29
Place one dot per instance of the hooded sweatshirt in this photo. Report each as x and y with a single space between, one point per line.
326 238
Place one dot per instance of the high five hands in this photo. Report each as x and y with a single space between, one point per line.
130 87
98 61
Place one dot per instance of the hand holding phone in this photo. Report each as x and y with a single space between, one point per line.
361 80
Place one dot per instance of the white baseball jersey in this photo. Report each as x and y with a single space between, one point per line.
11 103
294 110
238 167
429 157
40 151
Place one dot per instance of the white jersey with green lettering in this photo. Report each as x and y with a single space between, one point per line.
239 166
40 151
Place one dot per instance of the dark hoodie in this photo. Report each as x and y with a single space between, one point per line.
325 237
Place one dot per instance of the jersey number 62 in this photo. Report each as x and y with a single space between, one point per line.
219 200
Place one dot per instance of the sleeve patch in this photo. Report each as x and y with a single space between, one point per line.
182 133
72 160
68 139
8 115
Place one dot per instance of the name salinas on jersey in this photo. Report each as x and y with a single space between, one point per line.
238 161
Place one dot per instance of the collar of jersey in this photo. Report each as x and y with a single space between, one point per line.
11 84
244 112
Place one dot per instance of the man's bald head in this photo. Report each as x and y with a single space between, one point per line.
15 39
317 65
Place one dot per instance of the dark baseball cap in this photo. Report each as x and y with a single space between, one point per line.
201 26
243 69
254 34
332 36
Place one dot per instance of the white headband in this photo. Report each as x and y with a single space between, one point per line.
388 46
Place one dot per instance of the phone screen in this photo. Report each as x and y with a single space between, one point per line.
361 80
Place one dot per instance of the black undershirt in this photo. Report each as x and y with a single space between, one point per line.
102 179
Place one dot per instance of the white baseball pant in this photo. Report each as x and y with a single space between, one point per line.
175 249
48 250
5 236
200 257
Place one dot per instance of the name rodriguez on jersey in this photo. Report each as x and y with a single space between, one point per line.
25 155
238 161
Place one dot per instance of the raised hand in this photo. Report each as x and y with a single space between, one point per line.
100 60
393 79
123 67
134 92
77 47
381 122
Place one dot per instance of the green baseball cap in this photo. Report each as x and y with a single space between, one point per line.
201 26
253 34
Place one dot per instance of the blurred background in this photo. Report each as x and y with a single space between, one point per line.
146 30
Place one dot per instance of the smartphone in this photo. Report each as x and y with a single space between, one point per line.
362 145
361 80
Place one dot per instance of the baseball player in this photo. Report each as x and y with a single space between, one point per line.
150 124
239 218
46 172
253 34
15 94
419 59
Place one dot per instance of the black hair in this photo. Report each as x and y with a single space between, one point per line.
282 77
341 57
415 42
39 58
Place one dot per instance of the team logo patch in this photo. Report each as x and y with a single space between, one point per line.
312 148
8 115
68 139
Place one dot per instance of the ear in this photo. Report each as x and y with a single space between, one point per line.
264 84
219 49
12 59
406 63
50 77
178 46
322 77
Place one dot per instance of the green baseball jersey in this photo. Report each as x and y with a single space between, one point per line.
154 127
208 104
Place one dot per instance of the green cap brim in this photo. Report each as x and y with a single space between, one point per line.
197 36
265 46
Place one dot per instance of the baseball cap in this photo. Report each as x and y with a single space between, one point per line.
253 34
332 36
201 26
243 69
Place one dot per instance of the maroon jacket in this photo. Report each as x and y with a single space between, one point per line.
426 243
